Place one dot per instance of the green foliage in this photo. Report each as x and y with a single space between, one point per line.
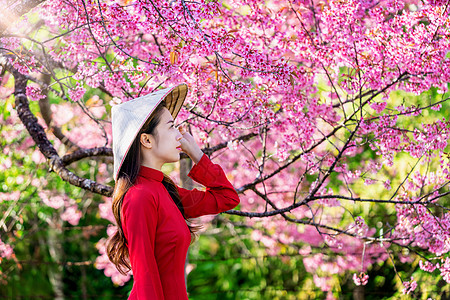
231 265
228 263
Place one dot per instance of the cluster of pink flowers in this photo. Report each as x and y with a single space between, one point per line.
302 76
359 227
6 251
444 268
72 215
361 278
70 212
76 93
378 106
34 93
103 263
428 266
410 286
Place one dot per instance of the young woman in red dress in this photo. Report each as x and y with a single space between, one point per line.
152 212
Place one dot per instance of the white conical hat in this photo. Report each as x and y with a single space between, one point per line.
129 117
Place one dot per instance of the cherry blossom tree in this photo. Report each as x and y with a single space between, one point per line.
326 115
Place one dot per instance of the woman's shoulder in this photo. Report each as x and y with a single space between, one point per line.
141 195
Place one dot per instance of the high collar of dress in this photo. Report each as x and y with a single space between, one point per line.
150 173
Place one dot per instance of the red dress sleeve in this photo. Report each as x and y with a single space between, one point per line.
140 212
219 195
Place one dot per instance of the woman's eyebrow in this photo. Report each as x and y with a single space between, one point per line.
170 121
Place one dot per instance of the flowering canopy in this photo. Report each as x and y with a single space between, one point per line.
306 104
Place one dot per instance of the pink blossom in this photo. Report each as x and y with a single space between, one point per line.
445 269
359 227
410 286
37 157
105 210
369 181
427 266
322 282
360 279
387 184
436 107
62 114
6 164
76 93
54 201
232 145
6 251
71 215
34 93
330 296
378 107
103 263
14 196
300 78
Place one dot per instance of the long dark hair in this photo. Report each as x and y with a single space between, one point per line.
117 249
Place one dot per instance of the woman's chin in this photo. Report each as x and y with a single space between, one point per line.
176 158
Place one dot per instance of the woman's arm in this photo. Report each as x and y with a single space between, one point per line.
219 195
140 218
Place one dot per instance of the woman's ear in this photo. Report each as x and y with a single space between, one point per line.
146 140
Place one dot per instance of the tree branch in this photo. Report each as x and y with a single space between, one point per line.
83 153
44 105
45 146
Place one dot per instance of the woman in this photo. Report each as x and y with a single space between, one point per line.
151 211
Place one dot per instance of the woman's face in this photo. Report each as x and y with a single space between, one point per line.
165 148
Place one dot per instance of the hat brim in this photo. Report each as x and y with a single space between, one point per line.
174 98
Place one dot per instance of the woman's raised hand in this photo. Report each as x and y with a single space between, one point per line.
189 146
